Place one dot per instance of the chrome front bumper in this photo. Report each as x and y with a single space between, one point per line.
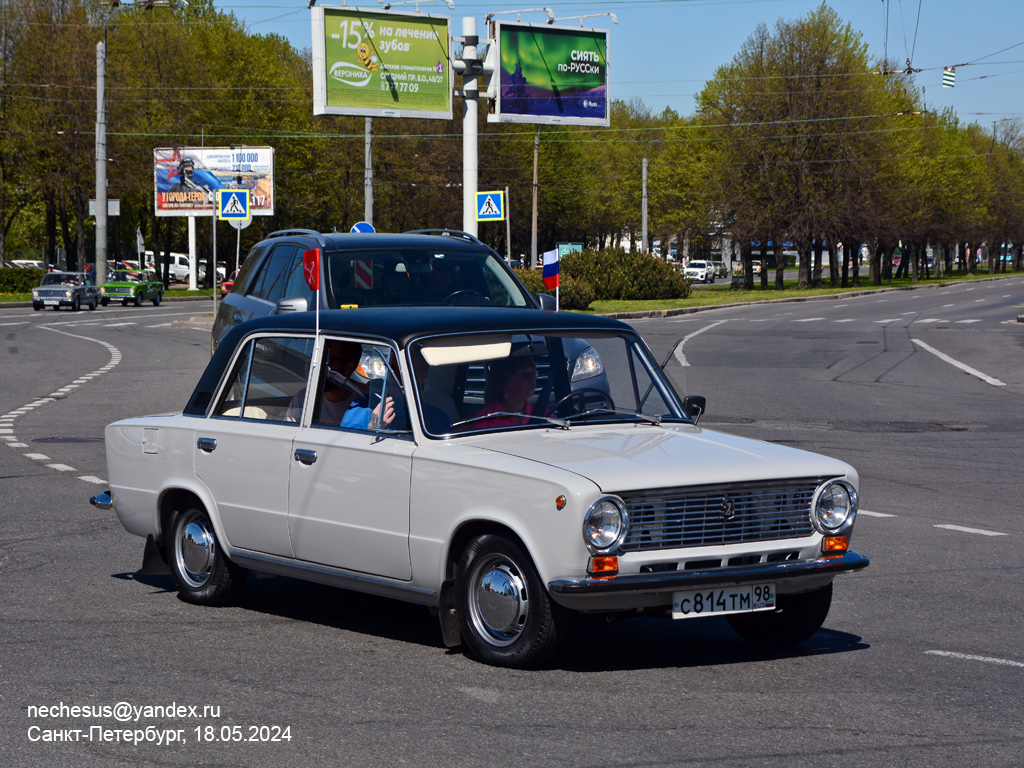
637 590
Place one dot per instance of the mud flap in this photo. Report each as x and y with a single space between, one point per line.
447 614
154 563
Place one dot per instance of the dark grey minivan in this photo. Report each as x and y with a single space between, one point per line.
370 270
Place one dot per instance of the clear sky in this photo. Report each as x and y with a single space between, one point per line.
663 51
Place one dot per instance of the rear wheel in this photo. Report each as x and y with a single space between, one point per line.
203 574
505 614
92 304
796 619
156 299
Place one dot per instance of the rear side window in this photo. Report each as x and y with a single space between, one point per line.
268 381
274 276
249 271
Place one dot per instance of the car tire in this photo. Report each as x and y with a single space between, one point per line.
93 304
37 307
203 573
796 619
157 299
76 304
104 302
506 616
138 300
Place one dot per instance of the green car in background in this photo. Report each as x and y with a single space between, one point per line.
128 285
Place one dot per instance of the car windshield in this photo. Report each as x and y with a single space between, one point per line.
127 277
418 276
499 382
698 264
60 278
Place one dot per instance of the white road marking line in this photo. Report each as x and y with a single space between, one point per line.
930 320
809 320
37 456
679 349
969 657
18 445
62 467
967 322
118 325
978 531
874 514
890 320
93 479
948 305
957 364
847 320
6 431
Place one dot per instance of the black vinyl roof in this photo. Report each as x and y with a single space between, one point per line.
400 325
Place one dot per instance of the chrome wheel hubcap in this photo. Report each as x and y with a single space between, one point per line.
499 603
194 552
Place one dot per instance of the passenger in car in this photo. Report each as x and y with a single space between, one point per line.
435 419
342 401
510 384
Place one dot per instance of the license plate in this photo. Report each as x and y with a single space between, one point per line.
51 302
707 602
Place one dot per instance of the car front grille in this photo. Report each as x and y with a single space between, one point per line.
714 515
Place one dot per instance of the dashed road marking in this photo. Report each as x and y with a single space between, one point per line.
978 531
874 514
971 657
957 364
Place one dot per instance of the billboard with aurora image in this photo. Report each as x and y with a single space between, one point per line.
550 74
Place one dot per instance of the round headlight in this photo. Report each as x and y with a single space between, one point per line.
604 527
835 506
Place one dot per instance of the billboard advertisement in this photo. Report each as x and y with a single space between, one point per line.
380 64
549 74
187 179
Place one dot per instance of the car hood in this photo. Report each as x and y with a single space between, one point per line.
646 456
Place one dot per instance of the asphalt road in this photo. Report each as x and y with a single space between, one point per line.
919 663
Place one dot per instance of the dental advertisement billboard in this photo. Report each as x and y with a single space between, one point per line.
547 74
380 64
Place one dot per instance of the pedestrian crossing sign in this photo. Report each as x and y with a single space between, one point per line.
232 204
490 206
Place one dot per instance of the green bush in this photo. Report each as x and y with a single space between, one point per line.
574 293
16 280
614 274
532 280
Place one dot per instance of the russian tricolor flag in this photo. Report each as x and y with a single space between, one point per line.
550 273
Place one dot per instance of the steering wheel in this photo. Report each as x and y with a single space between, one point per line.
578 399
467 293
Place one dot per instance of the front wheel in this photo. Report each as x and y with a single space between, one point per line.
795 619
203 574
104 302
76 304
505 614
138 299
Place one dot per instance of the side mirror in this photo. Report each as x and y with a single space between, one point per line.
293 304
547 301
694 406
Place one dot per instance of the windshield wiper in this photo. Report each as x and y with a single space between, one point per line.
562 423
622 411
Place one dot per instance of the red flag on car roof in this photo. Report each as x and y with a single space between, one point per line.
311 268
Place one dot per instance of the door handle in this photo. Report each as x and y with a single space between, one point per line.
206 444
307 457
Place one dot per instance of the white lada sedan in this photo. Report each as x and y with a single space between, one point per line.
510 469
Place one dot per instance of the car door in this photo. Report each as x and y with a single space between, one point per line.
243 451
348 504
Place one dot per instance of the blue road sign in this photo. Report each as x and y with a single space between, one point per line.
490 206
233 204
362 226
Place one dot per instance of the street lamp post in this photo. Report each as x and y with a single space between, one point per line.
101 127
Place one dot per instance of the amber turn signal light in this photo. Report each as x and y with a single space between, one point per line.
604 566
834 544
